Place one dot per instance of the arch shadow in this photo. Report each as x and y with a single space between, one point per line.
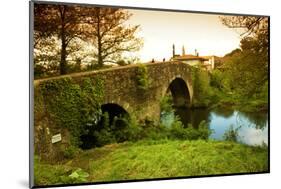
180 93
114 110
112 121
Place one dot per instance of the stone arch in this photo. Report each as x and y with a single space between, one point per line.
113 110
118 120
180 92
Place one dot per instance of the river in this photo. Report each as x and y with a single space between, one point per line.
252 127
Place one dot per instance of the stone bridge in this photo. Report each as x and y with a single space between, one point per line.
122 93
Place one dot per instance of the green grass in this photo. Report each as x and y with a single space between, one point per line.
157 159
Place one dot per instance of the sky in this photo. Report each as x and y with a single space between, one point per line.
160 30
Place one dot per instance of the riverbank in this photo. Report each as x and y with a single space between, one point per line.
256 105
233 102
150 159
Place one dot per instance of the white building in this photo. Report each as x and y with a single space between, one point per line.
207 62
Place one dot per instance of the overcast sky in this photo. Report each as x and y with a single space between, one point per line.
204 32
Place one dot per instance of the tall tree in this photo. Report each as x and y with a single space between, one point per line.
62 21
107 30
255 27
248 68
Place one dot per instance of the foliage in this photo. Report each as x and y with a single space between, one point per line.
203 130
122 63
107 31
232 134
246 73
166 104
121 128
70 105
70 152
103 137
99 133
220 81
46 174
60 21
178 131
127 60
251 26
143 80
133 131
203 93
78 176
124 128
64 35
232 95
246 69
241 80
158 159
153 130
46 57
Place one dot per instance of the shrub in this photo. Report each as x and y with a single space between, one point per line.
231 134
203 130
143 81
102 133
121 128
219 80
178 131
134 131
103 137
156 132
70 152
166 104
203 93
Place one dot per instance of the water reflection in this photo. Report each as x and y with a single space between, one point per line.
193 116
259 119
253 126
223 112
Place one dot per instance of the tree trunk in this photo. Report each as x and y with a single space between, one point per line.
63 56
63 66
100 59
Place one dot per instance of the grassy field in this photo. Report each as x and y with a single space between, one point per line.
154 159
